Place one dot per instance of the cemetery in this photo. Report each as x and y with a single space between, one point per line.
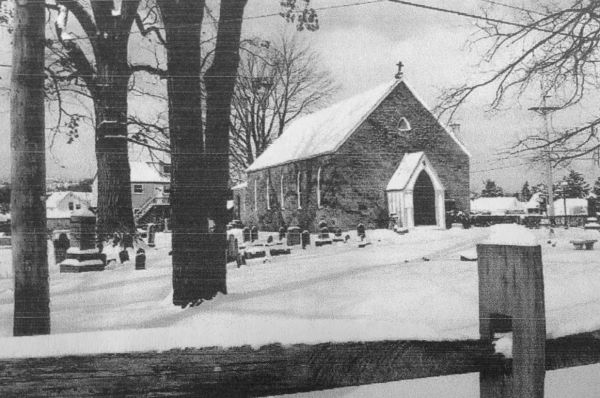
410 288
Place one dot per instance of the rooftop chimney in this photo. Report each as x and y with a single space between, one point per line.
455 128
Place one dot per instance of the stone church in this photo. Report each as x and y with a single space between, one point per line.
377 156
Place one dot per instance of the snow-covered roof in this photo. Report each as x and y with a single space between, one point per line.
497 205
575 206
55 198
145 172
407 169
55 213
534 202
324 131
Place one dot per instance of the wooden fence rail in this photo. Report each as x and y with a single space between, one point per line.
270 370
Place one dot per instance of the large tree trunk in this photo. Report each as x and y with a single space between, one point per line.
194 275
28 175
220 81
115 213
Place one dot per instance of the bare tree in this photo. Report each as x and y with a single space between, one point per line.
102 68
550 47
277 82
28 175
200 156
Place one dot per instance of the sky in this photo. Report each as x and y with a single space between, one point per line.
361 44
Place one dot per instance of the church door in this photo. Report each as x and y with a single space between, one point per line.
424 200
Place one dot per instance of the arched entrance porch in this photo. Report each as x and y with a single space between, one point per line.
415 193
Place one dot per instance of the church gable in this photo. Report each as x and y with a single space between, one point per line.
402 122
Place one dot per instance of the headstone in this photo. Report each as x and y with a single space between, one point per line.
140 259
232 248
83 256
128 241
323 238
322 224
305 239
270 239
151 235
294 236
281 233
255 252
123 256
361 231
254 233
246 234
61 245
280 251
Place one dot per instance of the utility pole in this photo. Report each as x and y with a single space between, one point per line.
28 172
544 110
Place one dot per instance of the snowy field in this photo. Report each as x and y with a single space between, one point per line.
400 287
580 382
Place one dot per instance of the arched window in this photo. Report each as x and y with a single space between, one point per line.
268 193
319 205
255 196
299 192
282 193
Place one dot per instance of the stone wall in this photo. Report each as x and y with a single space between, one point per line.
354 178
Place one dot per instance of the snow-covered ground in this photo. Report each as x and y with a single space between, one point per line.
580 382
401 287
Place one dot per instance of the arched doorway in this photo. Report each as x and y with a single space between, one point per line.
424 200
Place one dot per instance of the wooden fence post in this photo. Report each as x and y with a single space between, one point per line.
511 298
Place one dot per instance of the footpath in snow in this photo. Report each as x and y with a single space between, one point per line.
400 287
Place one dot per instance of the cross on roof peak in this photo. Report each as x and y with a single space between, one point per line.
400 74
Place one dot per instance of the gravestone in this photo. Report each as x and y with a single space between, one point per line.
305 238
128 241
246 234
294 236
361 231
232 248
61 245
323 238
140 259
151 235
281 233
123 256
83 255
254 233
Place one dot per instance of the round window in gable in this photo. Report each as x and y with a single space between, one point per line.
403 124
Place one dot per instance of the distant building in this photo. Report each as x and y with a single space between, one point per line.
150 189
375 156
498 206
60 206
575 207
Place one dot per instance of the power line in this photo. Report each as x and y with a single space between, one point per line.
497 3
482 18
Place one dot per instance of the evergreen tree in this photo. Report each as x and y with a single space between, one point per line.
596 188
526 192
491 190
576 186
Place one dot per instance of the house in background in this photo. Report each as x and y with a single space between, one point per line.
498 206
150 188
575 207
60 206
379 155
